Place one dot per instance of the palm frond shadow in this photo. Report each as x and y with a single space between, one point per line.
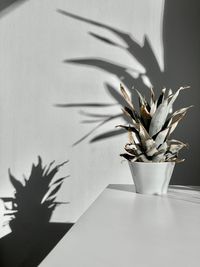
142 53
181 41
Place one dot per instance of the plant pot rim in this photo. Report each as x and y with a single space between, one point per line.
154 163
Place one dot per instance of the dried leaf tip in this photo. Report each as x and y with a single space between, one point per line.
126 96
185 87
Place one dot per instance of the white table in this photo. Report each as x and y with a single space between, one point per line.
125 229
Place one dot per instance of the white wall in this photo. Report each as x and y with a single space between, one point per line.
34 40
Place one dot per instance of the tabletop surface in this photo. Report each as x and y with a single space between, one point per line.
122 229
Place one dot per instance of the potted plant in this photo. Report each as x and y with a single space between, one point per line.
150 152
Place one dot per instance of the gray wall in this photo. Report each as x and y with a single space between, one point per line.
181 43
36 40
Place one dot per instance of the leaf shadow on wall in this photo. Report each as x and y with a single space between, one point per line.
8 5
144 55
32 236
181 42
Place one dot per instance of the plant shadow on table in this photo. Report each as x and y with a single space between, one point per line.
32 236
184 193
181 53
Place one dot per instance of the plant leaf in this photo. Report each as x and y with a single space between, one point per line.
159 157
126 96
160 138
175 146
151 148
153 108
160 115
161 97
128 128
143 134
133 149
142 101
174 97
153 97
131 114
145 116
181 111
128 156
158 118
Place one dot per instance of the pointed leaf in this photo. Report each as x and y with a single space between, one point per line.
161 97
181 111
145 116
126 96
150 147
130 136
143 134
128 156
159 157
160 138
133 114
174 146
153 97
142 101
127 128
174 97
133 149
158 118
163 147
153 108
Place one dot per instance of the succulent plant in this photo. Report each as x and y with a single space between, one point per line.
150 129
35 198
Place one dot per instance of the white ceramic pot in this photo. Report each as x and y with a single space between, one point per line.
151 178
